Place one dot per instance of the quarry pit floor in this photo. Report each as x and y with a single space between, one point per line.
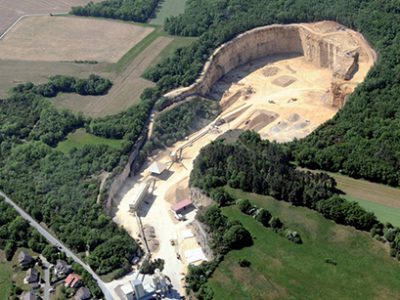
280 97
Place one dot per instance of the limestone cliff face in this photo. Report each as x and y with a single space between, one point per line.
324 50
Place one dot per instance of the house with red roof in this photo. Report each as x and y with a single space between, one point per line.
73 281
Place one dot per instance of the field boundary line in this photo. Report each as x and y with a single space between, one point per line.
23 17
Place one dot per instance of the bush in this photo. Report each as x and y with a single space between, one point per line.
275 223
244 263
220 196
293 236
244 205
149 267
237 237
263 216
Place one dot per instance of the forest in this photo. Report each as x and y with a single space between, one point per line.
362 139
264 167
127 10
58 189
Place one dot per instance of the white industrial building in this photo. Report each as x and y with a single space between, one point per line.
139 195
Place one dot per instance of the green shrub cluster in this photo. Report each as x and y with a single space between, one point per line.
263 216
94 85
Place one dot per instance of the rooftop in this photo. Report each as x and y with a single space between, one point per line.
181 205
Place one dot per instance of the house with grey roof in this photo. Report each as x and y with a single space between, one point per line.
32 276
82 294
24 259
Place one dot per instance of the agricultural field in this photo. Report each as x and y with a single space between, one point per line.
122 57
168 8
61 38
80 138
11 10
127 86
281 269
13 72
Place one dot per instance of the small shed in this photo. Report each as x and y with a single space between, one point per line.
157 168
181 206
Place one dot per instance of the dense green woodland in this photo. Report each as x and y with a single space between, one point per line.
264 168
57 189
363 139
127 10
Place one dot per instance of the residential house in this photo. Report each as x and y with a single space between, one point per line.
73 281
82 294
32 276
61 268
24 259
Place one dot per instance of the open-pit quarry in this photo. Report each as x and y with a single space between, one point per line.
282 81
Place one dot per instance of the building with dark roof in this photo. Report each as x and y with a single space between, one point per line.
24 259
32 276
82 294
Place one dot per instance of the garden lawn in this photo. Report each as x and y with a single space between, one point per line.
281 269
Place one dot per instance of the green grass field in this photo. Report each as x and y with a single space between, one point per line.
384 213
80 138
167 9
281 269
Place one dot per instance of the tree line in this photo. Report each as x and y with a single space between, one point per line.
362 139
264 167
94 85
127 10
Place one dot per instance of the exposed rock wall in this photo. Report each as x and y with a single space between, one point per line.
318 48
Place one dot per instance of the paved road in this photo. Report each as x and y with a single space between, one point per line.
54 241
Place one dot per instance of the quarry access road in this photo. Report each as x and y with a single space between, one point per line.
56 242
